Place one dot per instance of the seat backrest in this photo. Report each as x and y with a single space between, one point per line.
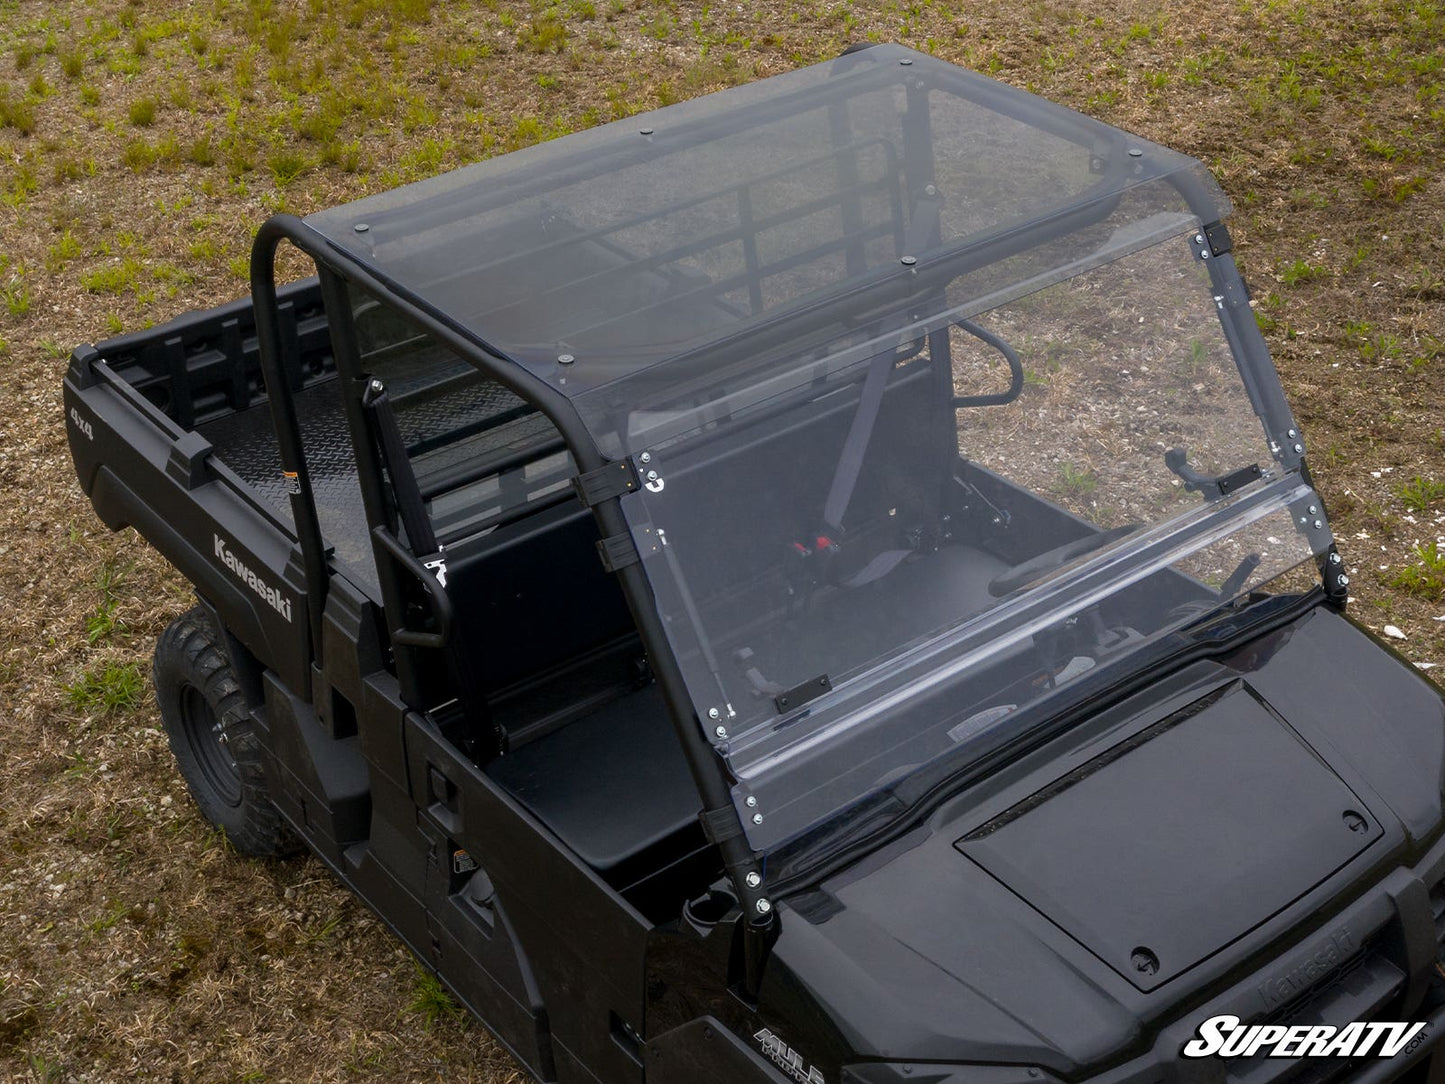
533 596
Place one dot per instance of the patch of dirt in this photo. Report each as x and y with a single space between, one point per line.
142 144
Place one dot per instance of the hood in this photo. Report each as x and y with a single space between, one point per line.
1063 911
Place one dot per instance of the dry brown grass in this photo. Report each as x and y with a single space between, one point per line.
140 144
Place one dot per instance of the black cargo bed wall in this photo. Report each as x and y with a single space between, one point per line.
205 365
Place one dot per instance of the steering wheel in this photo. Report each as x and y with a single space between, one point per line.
1049 560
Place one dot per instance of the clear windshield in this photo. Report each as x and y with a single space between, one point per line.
964 510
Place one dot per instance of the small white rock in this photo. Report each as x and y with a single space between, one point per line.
1394 633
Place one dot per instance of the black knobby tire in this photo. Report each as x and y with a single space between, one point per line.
214 739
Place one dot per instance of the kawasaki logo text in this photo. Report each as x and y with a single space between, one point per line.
1223 1035
1316 966
271 595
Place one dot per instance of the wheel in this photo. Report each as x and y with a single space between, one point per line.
214 739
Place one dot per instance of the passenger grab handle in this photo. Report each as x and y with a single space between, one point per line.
438 601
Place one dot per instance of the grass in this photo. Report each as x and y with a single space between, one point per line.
1323 130
1419 493
15 293
142 112
1299 272
1075 481
103 622
547 34
430 1000
1426 578
110 687
16 112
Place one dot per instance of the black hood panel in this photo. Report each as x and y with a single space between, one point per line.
1159 853
1182 819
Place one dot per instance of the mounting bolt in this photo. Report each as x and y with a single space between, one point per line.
754 880
905 62
929 190
645 457
1314 511
713 713
1292 434
908 261
1334 558
1344 580
752 802
644 131
763 906
1135 152
1318 525
378 387
652 476
565 359
757 818
721 732
361 227
1299 449
1199 238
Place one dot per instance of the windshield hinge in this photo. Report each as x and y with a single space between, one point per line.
1332 575
607 481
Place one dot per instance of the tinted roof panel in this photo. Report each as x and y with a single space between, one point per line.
751 218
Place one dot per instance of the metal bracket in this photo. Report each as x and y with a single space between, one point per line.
1217 236
620 550
720 825
606 482
1211 241
617 552
799 695
1332 574
1242 477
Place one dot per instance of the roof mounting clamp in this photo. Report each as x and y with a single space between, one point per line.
720 825
620 550
610 480
617 552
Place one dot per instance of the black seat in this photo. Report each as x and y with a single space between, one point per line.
614 786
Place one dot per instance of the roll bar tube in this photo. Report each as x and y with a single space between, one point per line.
719 816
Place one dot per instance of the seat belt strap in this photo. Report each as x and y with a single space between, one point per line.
855 447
